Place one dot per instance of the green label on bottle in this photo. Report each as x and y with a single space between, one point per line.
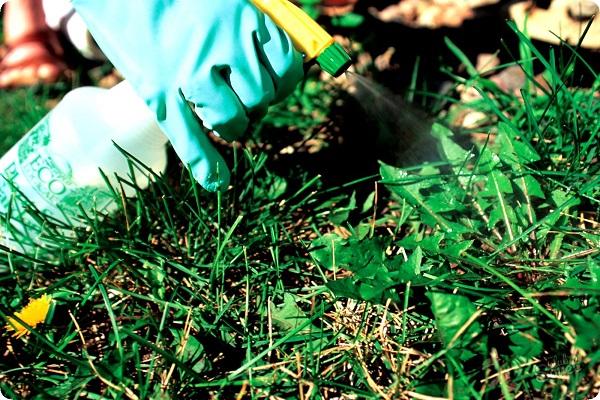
5 188
48 176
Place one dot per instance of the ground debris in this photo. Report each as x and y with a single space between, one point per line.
430 13
564 20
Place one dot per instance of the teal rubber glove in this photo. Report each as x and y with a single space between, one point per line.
223 59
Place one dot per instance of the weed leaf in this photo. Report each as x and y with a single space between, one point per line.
452 312
526 344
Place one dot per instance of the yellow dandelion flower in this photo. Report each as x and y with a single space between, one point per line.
33 314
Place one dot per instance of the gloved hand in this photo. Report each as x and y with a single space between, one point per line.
226 58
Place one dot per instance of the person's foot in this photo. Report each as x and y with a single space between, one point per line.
32 59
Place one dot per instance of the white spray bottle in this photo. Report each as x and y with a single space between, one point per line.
56 165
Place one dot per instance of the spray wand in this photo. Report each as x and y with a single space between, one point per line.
404 130
308 36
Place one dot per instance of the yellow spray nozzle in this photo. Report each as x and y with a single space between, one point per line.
308 36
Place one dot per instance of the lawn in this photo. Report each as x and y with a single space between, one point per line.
366 249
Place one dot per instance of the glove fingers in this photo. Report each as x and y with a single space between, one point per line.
278 55
253 86
218 106
271 66
194 149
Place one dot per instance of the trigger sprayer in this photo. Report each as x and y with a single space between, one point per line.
308 36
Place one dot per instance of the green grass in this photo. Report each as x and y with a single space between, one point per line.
21 110
473 276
